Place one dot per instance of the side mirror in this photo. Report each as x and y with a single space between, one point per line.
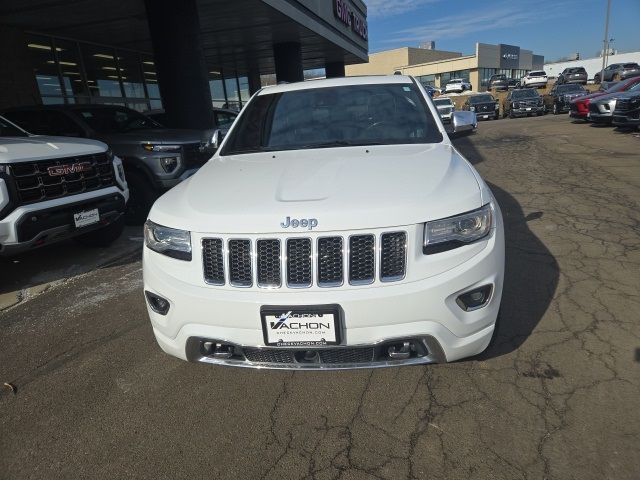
463 121
216 139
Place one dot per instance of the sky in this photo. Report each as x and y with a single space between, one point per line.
553 28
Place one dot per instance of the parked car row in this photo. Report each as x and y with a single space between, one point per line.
617 105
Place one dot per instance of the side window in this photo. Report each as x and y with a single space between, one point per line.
60 124
224 119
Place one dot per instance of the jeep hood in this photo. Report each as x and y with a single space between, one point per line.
343 188
40 147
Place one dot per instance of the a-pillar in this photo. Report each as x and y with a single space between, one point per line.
255 83
288 61
334 69
180 65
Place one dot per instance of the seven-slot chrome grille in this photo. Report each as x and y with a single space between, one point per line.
302 262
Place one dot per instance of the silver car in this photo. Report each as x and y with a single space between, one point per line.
445 107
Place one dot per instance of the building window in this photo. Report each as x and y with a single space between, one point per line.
485 75
151 82
102 71
445 77
233 93
68 57
427 80
45 68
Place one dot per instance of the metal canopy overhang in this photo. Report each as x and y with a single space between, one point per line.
237 36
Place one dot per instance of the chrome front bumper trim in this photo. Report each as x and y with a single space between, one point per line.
435 354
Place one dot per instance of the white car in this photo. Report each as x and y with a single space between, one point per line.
535 78
335 227
457 85
54 188
445 107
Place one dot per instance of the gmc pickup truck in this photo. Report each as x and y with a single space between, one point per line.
53 188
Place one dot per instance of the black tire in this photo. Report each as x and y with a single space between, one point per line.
596 78
102 237
141 198
496 116
511 114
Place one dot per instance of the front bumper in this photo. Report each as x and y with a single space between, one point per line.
523 112
43 223
631 119
424 310
599 117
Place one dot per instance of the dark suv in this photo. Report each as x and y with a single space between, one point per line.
155 158
559 98
618 71
522 103
573 75
484 105
627 110
498 82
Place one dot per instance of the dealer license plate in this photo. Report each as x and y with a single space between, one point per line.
528 109
485 116
301 326
88 217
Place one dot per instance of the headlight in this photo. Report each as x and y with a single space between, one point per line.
149 147
497 106
168 241
515 105
449 233
472 109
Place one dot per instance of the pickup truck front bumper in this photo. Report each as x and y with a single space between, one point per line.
39 224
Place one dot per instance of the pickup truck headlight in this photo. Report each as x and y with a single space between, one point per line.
472 109
449 233
168 241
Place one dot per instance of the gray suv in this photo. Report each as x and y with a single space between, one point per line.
618 71
155 158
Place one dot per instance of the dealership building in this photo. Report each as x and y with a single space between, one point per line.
437 67
184 56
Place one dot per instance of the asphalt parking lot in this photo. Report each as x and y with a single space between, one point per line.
556 396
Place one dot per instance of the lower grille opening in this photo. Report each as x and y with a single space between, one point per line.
386 354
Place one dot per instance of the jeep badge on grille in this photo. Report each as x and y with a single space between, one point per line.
58 170
309 223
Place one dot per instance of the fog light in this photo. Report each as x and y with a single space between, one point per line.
475 299
169 164
157 303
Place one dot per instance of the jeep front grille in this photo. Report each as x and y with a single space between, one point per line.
304 262
34 183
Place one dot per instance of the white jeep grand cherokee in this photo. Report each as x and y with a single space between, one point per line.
336 227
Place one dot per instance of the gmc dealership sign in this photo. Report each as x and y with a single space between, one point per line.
344 12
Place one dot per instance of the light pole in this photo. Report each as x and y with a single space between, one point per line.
606 37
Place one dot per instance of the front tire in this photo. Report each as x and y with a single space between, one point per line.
102 237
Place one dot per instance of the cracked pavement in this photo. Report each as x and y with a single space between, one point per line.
556 396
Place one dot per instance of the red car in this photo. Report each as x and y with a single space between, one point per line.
580 106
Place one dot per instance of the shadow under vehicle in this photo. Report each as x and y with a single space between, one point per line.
531 271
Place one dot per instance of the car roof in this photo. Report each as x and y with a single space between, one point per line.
337 82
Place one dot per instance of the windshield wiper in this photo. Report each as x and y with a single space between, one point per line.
340 143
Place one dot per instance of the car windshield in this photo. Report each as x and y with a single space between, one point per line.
457 80
630 65
570 88
525 93
499 77
442 102
8 129
116 120
576 70
481 99
537 74
372 114
617 87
